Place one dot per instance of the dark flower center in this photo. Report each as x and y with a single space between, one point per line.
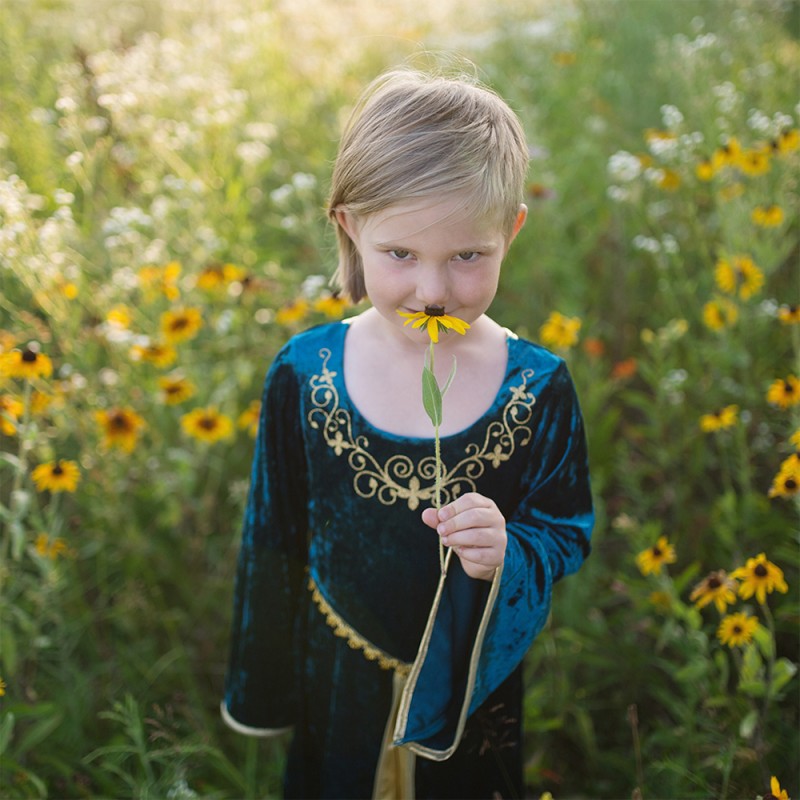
179 323
58 469
656 552
791 484
120 422
714 582
208 423
434 311
29 356
737 629
760 571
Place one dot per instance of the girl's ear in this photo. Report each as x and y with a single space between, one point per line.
522 215
347 222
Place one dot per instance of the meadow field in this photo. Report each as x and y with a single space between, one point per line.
163 174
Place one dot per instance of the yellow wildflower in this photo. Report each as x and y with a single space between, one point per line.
175 389
332 306
668 180
3 687
27 363
789 315
651 560
767 216
737 629
787 141
160 355
719 420
727 155
434 320
716 587
121 427
559 331
11 410
291 313
753 162
207 424
759 577
57 476
161 279
775 791
705 170
739 274
248 419
119 316
181 325
720 313
219 275
784 392
51 549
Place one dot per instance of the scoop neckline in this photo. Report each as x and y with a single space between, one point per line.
363 422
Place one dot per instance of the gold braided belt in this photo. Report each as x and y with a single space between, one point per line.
354 639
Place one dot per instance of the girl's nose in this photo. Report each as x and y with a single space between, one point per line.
432 287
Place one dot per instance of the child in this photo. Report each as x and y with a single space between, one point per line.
398 680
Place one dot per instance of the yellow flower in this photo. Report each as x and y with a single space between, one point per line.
41 401
218 275
737 629
727 155
332 306
753 162
175 389
161 279
787 141
294 312
434 320
11 410
560 331
121 427
705 170
52 550
740 273
775 791
119 316
668 180
651 560
719 314
181 325
56 476
785 484
795 439
2 688
248 419
161 355
759 577
784 392
69 290
27 363
716 587
789 315
719 420
767 216
207 424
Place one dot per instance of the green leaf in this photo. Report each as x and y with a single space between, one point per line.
748 725
782 673
6 729
431 397
449 377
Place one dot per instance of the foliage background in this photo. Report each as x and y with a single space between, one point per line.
136 135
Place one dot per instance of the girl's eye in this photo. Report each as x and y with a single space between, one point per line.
400 255
468 255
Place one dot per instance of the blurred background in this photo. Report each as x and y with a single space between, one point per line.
163 174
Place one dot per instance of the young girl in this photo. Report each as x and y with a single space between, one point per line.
398 679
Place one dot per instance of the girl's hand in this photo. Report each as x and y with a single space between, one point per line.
474 527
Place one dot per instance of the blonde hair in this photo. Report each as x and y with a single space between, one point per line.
413 135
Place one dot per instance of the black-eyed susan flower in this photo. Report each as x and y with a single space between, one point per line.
434 320
704 170
787 141
181 325
767 216
332 305
120 316
717 587
217 276
207 424
292 312
784 392
60 475
754 162
737 629
175 389
3 687
11 410
651 561
760 577
157 353
248 419
789 315
739 274
719 420
121 427
795 439
719 314
785 484
775 792
27 363
727 155
41 401
51 548
559 331
163 280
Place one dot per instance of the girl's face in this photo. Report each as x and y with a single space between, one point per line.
427 254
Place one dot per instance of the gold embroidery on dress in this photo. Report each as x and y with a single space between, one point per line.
399 478
354 639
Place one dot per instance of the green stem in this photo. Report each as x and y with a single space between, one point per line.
437 452
15 536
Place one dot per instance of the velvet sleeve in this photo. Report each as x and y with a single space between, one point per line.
478 632
260 690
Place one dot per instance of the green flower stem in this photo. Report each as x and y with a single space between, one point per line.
437 452
14 537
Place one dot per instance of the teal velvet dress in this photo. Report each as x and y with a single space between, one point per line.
344 629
